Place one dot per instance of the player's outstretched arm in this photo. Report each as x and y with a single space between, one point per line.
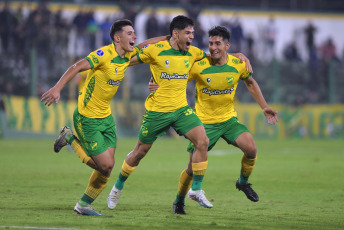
153 40
53 94
243 58
256 93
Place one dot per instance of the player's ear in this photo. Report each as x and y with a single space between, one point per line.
174 33
116 38
228 45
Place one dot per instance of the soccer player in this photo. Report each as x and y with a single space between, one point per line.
170 63
217 77
92 117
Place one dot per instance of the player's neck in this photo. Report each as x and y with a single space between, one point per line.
174 44
121 52
221 61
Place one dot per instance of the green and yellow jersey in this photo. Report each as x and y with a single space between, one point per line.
215 88
102 82
170 70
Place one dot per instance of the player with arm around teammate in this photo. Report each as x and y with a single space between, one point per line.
170 63
217 77
92 118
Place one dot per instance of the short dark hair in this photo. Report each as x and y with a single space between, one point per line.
180 22
118 25
220 31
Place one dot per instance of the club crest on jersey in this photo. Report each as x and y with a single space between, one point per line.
100 53
186 63
208 81
167 63
230 80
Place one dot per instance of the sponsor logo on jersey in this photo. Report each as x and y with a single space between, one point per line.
113 83
95 59
217 91
236 61
167 63
100 53
202 62
208 81
173 76
116 71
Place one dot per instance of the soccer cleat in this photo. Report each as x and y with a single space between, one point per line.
199 197
249 192
86 210
113 197
179 209
61 141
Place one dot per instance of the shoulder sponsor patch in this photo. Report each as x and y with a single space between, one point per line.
145 47
100 53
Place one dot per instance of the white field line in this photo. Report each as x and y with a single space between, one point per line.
31 227
222 152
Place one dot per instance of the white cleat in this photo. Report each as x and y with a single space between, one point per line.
113 198
200 198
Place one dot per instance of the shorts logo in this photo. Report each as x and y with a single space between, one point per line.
144 131
100 53
94 145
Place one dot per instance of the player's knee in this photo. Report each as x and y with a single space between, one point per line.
202 144
106 168
251 151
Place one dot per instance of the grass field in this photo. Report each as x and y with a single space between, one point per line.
300 184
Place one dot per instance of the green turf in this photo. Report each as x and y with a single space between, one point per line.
300 184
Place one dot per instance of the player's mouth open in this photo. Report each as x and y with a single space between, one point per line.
131 43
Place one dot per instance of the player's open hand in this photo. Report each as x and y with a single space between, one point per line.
50 96
271 115
152 86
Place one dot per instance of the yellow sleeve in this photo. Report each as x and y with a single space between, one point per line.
98 57
144 54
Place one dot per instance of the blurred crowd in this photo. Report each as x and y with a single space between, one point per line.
54 42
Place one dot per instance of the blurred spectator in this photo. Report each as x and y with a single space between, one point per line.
270 33
92 29
8 25
105 28
80 24
250 48
291 52
328 51
237 36
152 26
310 30
199 36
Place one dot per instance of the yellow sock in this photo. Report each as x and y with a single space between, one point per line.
185 182
79 150
96 184
198 174
127 169
199 168
247 166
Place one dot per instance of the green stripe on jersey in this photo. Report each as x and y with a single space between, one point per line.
219 69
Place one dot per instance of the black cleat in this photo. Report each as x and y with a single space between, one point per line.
179 209
249 192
